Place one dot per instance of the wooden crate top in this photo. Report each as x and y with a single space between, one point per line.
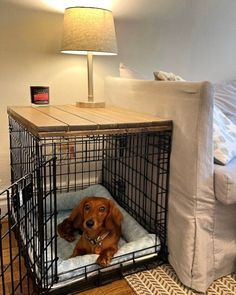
66 120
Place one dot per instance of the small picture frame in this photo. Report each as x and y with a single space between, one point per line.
39 95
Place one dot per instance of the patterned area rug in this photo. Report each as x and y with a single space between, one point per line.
162 280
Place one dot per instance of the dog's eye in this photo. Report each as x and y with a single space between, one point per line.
102 209
87 207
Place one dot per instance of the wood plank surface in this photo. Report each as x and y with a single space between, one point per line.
112 115
89 114
74 121
104 117
64 119
33 118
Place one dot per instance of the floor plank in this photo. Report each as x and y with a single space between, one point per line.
119 287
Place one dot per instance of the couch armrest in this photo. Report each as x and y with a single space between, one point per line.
191 196
189 105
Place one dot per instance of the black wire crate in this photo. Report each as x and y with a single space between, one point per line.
132 167
26 233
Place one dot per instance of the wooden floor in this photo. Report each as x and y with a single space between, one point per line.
119 287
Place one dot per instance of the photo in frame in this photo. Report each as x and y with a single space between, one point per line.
39 95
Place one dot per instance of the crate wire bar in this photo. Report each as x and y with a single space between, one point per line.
22 252
132 166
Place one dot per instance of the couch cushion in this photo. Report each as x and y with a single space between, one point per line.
224 137
129 73
225 98
166 76
225 182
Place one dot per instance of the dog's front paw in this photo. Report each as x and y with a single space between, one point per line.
104 260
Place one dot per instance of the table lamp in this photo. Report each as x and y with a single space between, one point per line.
89 31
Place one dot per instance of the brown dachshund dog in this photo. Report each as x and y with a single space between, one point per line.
99 220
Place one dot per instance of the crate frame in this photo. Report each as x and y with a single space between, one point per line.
24 198
147 151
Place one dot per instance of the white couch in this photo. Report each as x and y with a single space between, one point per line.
202 197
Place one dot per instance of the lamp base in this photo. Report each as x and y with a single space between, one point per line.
86 104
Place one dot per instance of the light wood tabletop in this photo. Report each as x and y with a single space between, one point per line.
71 120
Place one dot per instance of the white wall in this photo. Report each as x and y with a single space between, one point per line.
30 55
195 39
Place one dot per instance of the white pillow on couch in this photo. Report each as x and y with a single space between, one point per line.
166 76
225 98
224 137
128 73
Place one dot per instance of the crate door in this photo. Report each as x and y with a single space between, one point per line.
23 260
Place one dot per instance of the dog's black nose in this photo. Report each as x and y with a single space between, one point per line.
90 223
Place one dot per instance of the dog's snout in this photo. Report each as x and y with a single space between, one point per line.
90 223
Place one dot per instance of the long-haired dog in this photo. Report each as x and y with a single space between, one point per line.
99 220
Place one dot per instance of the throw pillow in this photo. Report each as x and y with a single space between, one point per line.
224 137
165 76
225 98
129 73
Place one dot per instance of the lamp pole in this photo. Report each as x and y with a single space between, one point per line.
90 76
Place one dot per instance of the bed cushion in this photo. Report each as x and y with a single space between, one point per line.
225 182
136 243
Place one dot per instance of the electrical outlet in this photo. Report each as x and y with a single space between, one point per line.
72 151
67 150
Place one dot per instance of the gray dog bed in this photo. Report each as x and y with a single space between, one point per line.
136 243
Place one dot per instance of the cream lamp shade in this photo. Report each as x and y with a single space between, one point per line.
89 31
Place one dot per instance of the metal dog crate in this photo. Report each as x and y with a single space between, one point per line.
64 149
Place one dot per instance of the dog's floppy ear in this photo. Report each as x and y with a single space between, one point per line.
74 222
66 230
77 215
114 217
